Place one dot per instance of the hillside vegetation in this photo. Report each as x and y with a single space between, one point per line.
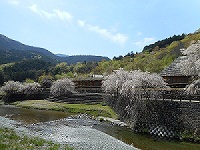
154 58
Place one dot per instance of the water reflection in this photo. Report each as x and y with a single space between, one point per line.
124 134
30 115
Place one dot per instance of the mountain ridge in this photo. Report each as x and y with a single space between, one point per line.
12 49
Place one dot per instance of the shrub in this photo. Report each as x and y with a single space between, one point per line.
29 80
45 81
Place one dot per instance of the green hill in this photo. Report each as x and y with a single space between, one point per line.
14 51
153 58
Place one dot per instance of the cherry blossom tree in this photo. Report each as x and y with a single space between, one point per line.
62 87
143 84
12 87
14 90
190 64
113 83
31 88
194 88
132 83
127 91
139 87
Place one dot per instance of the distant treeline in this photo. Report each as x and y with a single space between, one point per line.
35 68
20 71
163 43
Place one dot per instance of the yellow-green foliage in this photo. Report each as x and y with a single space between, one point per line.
5 65
154 61
29 80
191 37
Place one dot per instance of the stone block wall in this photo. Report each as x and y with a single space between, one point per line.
191 116
164 117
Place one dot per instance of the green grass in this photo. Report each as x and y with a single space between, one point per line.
9 140
90 109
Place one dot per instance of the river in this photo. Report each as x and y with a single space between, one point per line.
81 132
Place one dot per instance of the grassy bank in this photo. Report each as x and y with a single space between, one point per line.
10 140
90 109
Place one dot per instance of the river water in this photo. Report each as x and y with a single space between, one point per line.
81 131
78 131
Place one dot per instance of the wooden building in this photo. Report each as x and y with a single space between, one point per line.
173 75
88 84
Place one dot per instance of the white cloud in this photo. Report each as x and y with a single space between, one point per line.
117 38
13 2
41 12
62 15
81 23
144 42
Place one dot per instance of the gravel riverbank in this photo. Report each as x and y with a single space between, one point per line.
72 131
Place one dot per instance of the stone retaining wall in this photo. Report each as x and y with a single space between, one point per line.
78 98
169 118
191 116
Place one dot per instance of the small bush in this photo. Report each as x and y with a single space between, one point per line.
46 81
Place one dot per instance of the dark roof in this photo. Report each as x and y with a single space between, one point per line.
172 69
88 79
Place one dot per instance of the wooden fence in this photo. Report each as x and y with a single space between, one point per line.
174 94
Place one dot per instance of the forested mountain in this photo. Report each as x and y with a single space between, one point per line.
9 44
8 56
14 51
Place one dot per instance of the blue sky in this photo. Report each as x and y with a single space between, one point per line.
96 27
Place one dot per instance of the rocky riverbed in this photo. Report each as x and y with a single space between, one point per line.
77 132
